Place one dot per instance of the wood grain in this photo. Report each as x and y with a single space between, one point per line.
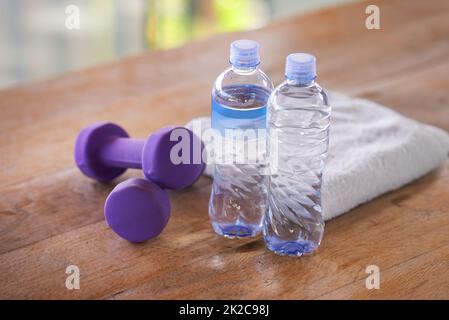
51 216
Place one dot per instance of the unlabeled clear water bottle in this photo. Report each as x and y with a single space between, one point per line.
239 97
298 133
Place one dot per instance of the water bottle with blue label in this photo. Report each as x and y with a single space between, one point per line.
239 97
298 134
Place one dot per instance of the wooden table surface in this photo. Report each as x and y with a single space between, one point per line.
51 216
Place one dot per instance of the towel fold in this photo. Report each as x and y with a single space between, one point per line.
372 150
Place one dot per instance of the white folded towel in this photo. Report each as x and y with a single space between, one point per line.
372 150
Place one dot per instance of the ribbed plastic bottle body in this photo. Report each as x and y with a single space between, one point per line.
298 119
238 198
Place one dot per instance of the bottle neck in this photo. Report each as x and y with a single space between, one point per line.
299 83
244 70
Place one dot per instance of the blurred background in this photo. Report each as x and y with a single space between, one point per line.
35 42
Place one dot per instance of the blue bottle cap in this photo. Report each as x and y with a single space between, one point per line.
244 53
300 67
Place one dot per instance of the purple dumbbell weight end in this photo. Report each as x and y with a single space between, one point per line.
137 210
104 151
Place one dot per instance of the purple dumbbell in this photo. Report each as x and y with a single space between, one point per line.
104 151
137 210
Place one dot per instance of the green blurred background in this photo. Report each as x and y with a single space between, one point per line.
35 43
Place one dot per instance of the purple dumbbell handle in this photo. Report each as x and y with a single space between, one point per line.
103 151
122 153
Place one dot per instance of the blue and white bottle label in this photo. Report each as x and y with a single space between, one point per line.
223 118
